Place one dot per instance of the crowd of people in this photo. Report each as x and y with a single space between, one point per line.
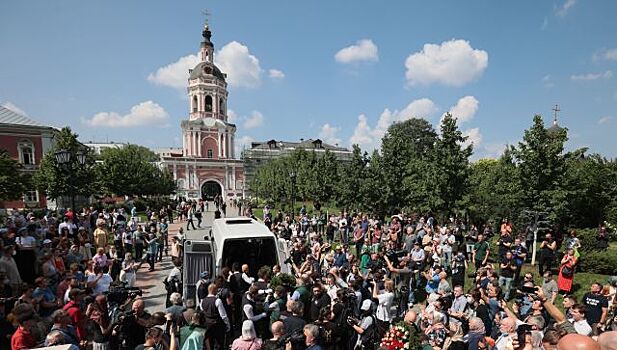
69 278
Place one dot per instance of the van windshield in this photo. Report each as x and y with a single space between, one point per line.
256 252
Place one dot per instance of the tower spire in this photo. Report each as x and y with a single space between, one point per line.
555 111
207 48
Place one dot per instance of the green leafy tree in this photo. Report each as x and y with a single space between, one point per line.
130 171
406 165
13 181
452 160
351 180
542 163
493 191
71 179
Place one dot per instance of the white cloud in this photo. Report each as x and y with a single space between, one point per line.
370 138
607 54
276 74
362 134
488 150
232 117
563 10
592 76
473 137
452 63
234 59
10 105
605 120
256 119
465 109
328 134
548 83
242 68
145 113
364 50
242 143
544 24
175 74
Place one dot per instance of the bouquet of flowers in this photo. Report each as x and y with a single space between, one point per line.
399 336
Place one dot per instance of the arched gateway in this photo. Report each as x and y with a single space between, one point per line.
210 189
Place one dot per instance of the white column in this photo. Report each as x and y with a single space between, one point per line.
193 143
184 150
199 144
224 145
233 147
175 172
186 175
229 147
233 178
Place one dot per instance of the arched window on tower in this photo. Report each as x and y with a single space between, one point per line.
222 106
208 103
194 104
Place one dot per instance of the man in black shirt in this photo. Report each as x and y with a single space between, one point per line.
506 273
318 302
597 307
504 243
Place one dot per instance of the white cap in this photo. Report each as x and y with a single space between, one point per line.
366 305
47 241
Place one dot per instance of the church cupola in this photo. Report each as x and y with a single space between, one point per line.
207 48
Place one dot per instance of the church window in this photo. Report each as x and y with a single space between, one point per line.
209 153
208 103
31 196
194 104
26 153
222 106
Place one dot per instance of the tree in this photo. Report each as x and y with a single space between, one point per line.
13 182
131 171
452 160
541 162
71 179
406 165
493 190
351 179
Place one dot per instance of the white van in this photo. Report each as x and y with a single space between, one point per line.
230 240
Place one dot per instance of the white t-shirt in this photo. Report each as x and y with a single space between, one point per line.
383 309
581 327
102 285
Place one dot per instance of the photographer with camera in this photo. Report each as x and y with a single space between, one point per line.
132 325
366 328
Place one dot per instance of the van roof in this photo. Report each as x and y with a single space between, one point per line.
238 227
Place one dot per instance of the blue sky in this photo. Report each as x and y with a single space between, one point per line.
339 70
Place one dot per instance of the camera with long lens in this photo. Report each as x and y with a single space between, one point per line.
295 338
119 295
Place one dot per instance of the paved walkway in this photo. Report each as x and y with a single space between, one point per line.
151 282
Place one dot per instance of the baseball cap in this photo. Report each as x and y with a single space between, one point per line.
47 241
204 275
366 305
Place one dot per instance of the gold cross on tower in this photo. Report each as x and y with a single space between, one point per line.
207 14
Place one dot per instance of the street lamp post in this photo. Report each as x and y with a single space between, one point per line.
292 175
64 159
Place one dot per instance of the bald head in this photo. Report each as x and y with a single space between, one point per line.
608 340
577 342
411 317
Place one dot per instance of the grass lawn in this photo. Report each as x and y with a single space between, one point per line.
259 212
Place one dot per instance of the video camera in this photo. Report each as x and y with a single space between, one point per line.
119 295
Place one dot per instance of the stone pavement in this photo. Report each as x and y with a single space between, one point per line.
151 282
